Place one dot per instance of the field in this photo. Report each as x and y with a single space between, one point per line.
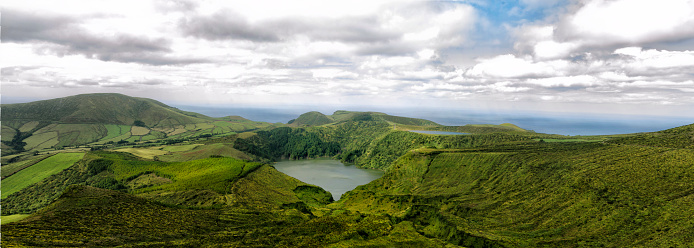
8 133
38 172
200 152
180 148
115 131
41 140
139 131
12 218
28 126
569 140
9 169
211 173
148 153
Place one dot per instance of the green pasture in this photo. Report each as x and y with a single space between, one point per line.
180 148
9 169
6 219
210 173
38 172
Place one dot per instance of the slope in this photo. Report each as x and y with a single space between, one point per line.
679 137
105 119
540 195
104 108
313 118
252 206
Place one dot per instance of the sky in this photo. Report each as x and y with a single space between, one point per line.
627 57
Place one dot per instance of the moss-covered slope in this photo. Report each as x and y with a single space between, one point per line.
541 195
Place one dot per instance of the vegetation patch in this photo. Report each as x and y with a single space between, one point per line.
147 180
568 140
180 148
114 131
12 168
77 134
28 126
210 173
41 140
38 172
7 133
148 153
139 131
6 219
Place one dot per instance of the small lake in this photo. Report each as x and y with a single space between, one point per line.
331 175
437 132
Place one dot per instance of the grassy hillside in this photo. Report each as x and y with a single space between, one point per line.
540 195
111 218
369 144
103 119
99 108
311 119
679 137
342 116
216 201
38 172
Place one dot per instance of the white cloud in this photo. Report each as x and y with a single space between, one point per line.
621 22
658 59
510 66
570 81
588 51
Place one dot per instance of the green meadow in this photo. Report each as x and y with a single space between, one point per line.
38 172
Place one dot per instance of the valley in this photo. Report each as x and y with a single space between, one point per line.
112 170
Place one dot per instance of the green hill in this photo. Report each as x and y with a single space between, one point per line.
225 202
342 115
679 137
313 118
105 118
540 195
108 108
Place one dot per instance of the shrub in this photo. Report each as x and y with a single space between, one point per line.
98 165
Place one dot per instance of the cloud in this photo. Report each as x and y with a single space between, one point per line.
606 25
628 22
61 35
510 66
537 51
394 30
225 25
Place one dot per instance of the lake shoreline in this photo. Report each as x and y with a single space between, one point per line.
330 174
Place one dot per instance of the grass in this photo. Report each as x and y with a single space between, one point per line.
139 131
41 140
115 131
28 126
180 148
76 134
148 153
211 173
568 140
38 172
6 219
9 169
124 132
541 194
8 133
